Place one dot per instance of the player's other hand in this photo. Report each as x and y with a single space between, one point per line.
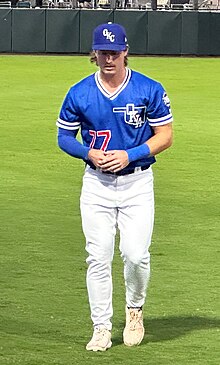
114 161
97 157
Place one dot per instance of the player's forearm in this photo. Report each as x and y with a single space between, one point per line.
69 144
161 140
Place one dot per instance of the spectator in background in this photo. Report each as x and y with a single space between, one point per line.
38 4
14 3
85 4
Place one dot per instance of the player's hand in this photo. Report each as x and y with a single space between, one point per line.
97 157
114 161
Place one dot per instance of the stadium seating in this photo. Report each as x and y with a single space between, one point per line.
23 4
5 4
209 5
179 5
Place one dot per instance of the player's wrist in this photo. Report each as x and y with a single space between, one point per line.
85 153
139 152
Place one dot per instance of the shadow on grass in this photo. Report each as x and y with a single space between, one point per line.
157 329
168 328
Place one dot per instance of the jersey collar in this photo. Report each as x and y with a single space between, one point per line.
121 87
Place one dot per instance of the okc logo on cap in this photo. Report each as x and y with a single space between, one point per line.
109 37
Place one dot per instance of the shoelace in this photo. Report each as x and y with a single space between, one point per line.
100 333
135 319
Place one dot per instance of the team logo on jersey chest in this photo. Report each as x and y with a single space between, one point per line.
134 115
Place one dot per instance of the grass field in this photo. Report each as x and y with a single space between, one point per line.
44 308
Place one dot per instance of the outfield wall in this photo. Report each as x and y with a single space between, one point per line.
70 31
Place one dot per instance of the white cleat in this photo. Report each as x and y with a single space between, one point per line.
134 329
101 339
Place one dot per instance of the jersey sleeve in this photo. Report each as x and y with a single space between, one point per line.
69 117
159 111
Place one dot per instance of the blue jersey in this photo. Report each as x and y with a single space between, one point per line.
116 121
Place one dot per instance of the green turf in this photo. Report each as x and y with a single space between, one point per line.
44 308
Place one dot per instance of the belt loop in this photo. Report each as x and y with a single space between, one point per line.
138 168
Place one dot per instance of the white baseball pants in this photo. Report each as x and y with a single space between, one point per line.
107 202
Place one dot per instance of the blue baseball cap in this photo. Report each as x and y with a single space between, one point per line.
109 37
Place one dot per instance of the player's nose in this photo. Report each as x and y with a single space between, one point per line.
109 57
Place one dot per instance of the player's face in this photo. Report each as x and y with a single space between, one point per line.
110 62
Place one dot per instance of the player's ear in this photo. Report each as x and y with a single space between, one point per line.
126 52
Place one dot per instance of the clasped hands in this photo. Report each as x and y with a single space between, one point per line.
111 161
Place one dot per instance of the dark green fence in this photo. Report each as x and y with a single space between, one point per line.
70 31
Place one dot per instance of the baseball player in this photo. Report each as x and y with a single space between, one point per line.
125 120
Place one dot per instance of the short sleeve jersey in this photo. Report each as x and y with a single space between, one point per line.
119 120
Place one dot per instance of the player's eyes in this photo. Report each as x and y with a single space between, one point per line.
112 53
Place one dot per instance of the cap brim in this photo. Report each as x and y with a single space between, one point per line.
109 47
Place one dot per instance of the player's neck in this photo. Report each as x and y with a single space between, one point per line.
112 82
